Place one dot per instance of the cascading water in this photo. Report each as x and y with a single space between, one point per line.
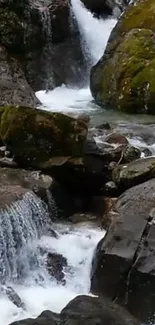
20 224
94 32
94 36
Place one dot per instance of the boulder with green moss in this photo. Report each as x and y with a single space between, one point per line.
42 139
124 77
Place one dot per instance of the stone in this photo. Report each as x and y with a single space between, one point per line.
13 297
124 77
37 33
35 181
134 173
41 139
116 138
84 310
91 311
55 264
106 8
123 267
14 88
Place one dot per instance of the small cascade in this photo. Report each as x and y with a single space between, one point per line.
47 32
94 32
52 205
20 225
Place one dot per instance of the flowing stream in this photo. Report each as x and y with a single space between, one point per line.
24 239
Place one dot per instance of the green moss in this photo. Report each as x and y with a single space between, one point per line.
128 79
124 77
139 15
35 136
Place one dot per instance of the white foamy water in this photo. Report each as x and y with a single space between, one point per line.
94 36
66 99
94 32
77 245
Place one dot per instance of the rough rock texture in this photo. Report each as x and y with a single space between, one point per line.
124 77
106 7
85 310
135 172
123 265
42 139
14 89
37 33
55 265
39 183
11 193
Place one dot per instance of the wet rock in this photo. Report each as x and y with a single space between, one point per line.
8 162
41 139
37 32
106 8
11 193
135 172
13 297
129 82
91 311
82 217
55 265
26 179
111 188
123 267
116 138
46 318
107 218
130 154
146 152
14 88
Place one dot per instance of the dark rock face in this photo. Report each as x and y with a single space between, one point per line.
123 267
14 89
85 310
55 265
37 33
106 7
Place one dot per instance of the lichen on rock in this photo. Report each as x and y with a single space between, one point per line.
124 77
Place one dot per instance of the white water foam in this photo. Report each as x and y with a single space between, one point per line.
94 32
94 36
77 244
66 99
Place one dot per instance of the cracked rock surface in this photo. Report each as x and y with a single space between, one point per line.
124 263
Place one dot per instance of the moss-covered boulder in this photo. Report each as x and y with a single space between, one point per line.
41 139
124 77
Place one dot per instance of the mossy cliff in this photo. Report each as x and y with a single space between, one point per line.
36 137
124 78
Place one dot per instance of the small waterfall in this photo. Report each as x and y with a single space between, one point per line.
94 32
20 225
47 31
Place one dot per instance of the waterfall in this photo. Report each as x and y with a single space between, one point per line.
21 224
94 32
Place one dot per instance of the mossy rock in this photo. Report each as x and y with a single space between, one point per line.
40 139
124 78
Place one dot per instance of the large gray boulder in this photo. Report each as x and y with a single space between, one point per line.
14 88
123 265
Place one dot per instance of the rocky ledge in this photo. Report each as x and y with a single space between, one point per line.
84 310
